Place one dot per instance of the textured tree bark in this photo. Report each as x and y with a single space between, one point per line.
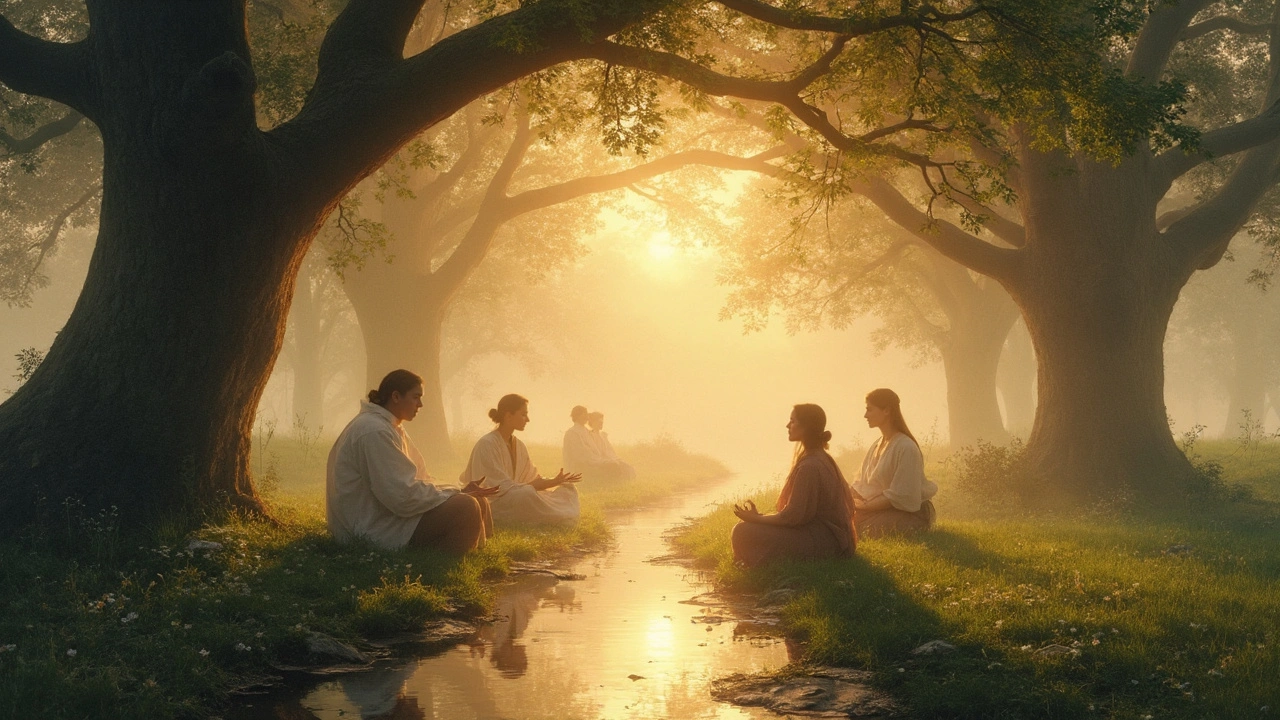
1096 291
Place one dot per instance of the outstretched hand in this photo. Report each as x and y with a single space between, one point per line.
476 488
746 511
562 477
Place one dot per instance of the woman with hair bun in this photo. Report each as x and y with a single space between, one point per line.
814 517
894 496
377 486
500 461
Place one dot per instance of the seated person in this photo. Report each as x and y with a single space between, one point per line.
377 487
580 451
609 466
893 494
522 495
815 509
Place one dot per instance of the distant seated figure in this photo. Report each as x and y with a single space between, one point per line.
893 495
580 451
609 466
377 486
499 460
814 517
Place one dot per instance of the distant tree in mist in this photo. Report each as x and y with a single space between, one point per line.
1222 339
849 262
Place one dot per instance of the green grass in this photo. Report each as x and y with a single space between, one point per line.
1153 633
133 628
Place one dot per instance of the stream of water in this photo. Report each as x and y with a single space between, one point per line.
618 644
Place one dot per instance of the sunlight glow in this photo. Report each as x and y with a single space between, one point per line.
661 247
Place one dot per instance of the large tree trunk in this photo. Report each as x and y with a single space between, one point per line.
401 316
1096 293
147 397
970 359
1016 381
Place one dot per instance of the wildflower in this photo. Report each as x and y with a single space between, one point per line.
204 653
242 647
71 653
8 648
1096 641
129 618
186 626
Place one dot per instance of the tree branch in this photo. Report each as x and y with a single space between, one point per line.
55 231
946 238
490 216
1258 130
58 71
999 225
391 100
1224 22
1158 37
1202 236
797 20
784 92
42 134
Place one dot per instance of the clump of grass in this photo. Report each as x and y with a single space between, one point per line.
1170 613
166 628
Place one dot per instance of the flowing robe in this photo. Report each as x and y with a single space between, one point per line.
508 468
579 452
897 472
814 517
376 483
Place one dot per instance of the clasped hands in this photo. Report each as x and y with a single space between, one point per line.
562 477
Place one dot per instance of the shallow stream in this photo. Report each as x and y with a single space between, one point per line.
634 639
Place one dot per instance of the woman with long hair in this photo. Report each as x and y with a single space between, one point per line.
814 517
500 461
893 495
377 485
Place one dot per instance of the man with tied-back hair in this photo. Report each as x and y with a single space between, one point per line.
377 485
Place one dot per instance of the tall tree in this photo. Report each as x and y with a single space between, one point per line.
1095 265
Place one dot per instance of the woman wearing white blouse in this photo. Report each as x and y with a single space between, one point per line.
893 495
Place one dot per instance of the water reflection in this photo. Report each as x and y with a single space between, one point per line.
626 642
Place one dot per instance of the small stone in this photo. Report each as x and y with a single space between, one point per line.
329 648
934 647
196 544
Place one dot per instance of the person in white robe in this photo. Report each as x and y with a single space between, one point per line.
892 494
377 486
500 460
579 453
611 466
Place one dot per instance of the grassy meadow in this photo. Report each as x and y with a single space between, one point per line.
1105 613
149 625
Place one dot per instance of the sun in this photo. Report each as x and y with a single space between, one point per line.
661 247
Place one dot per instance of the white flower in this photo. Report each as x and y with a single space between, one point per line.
129 618
71 652
8 648
204 653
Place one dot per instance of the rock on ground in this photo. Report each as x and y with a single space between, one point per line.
817 692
